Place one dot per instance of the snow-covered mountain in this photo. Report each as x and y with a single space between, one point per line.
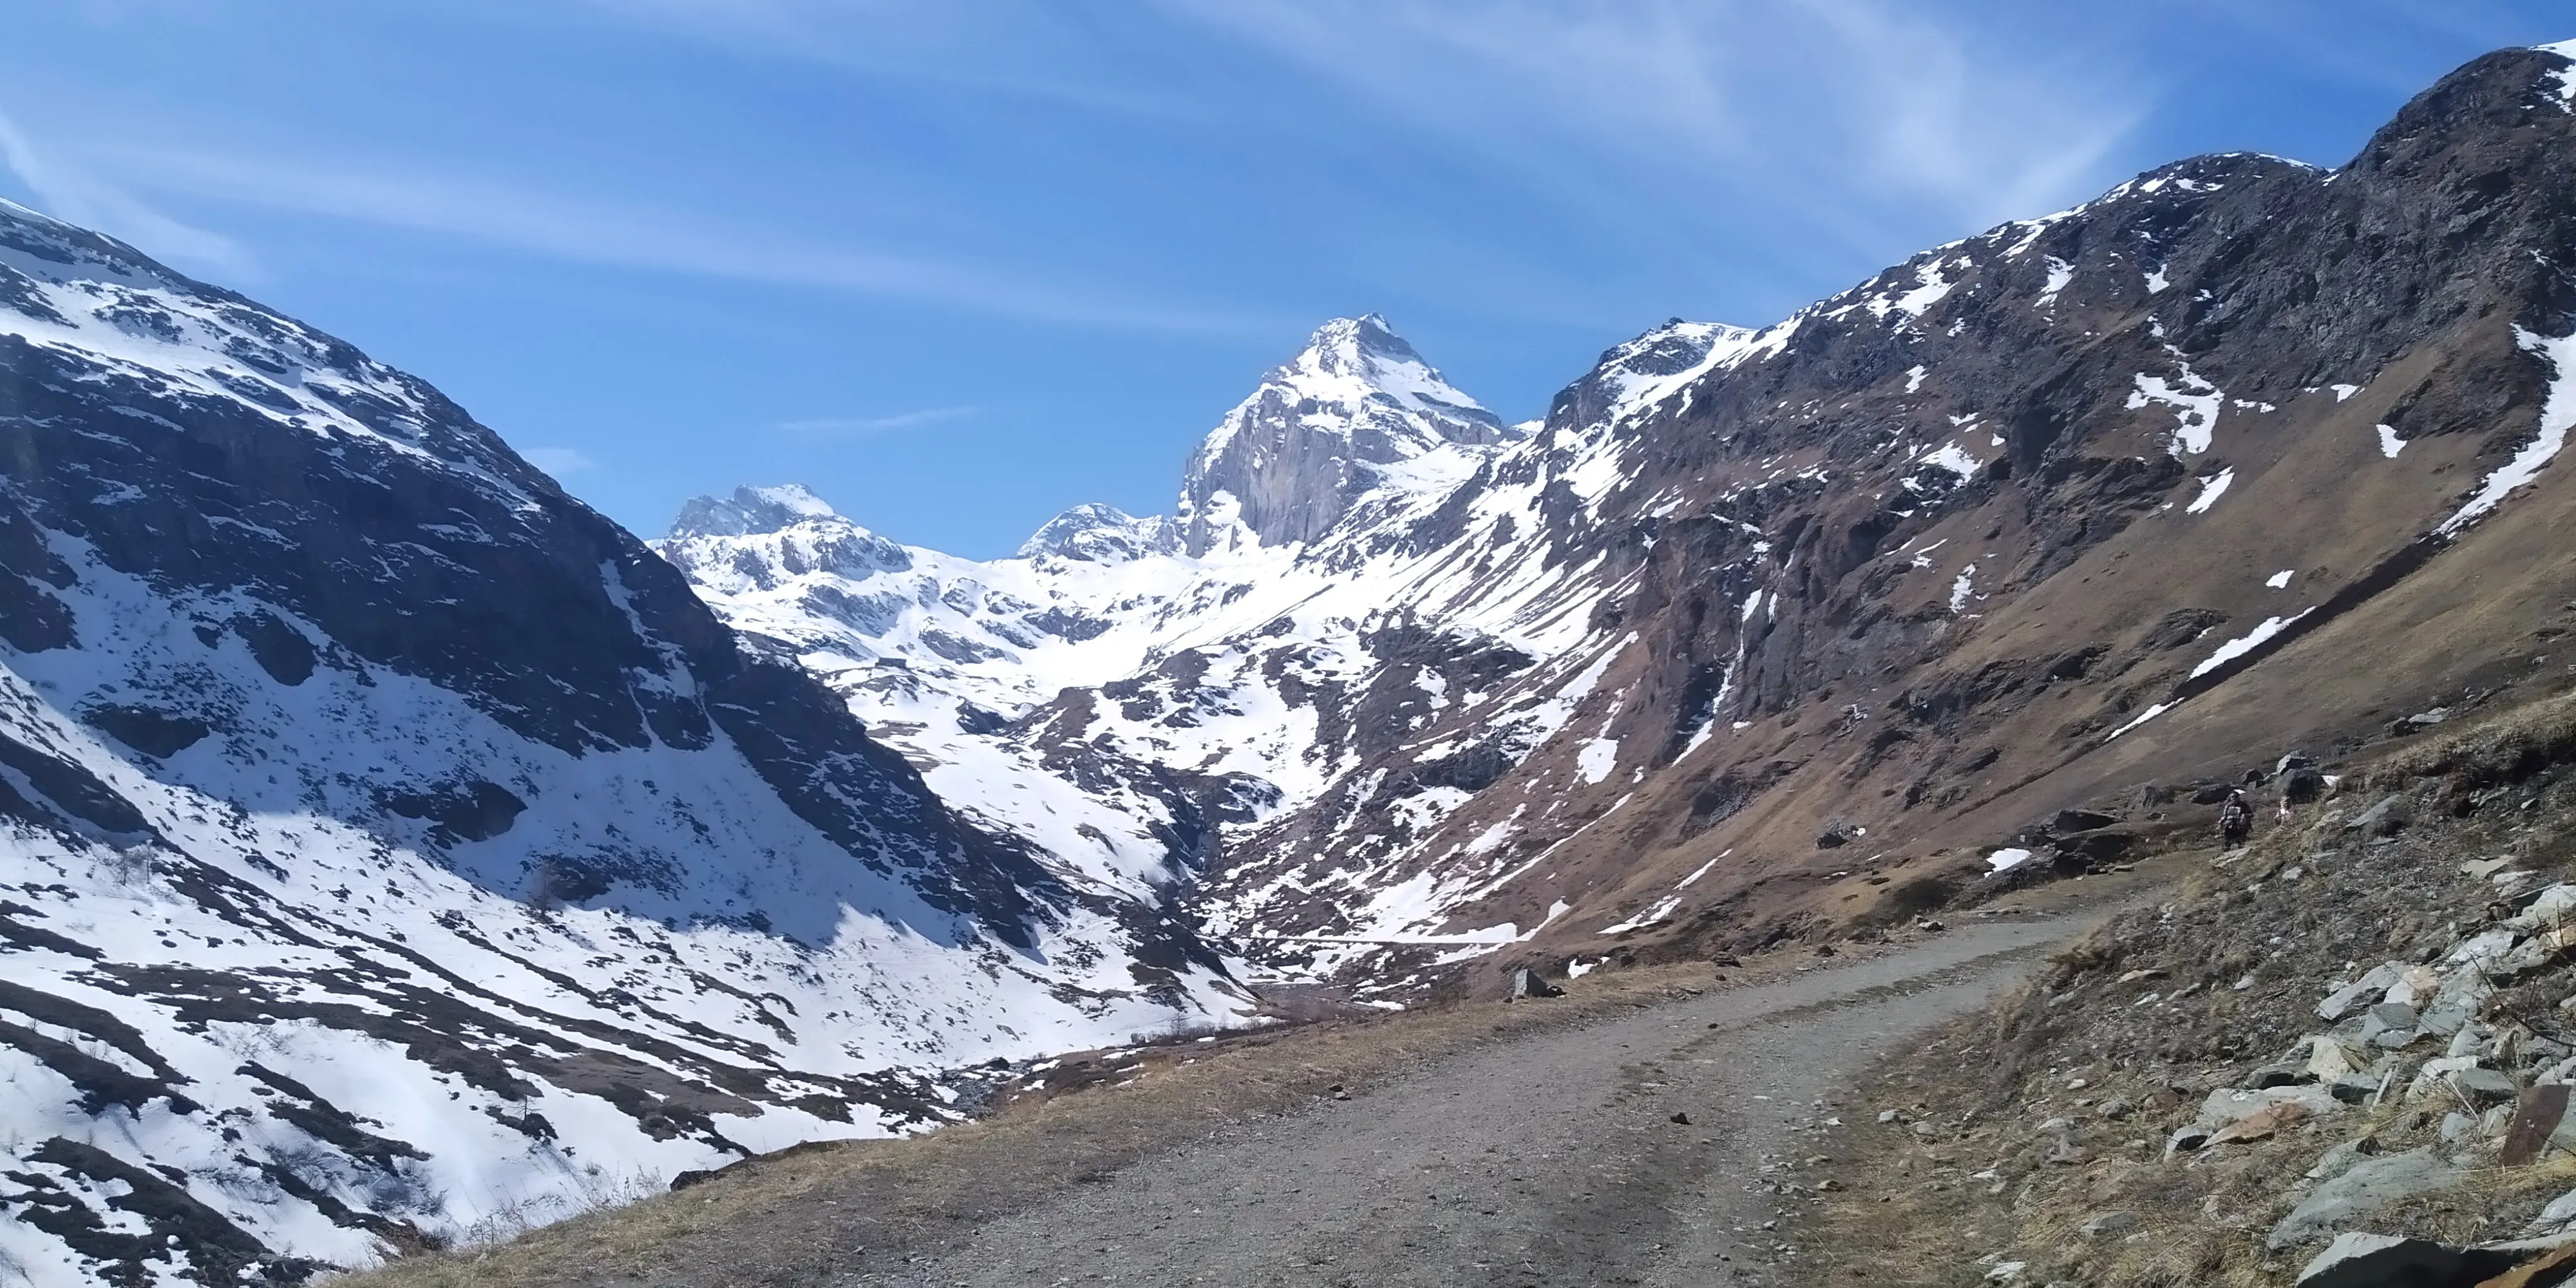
396 850
393 850
1128 700
1356 411
1775 632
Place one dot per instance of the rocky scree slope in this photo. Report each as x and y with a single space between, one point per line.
392 850
1779 633
2340 1056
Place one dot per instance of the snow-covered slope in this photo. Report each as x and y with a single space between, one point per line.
1126 704
1761 632
393 850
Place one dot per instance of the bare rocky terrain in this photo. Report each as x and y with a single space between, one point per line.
2339 1055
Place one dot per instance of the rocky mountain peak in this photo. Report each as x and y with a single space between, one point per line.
750 511
1101 534
1322 428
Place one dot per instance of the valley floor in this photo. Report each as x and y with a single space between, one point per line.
1532 1143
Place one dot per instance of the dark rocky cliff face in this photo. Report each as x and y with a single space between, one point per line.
396 848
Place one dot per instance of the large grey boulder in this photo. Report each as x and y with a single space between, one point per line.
2369 1186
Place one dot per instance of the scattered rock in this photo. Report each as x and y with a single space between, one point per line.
2356 1260
2341 1159
2556 1216
2373 984
2070 821
2460 1077
1682 1118
2329 1060
2369 1186
2261 1123
2387 818
1529 983
2112 1223
2389 1024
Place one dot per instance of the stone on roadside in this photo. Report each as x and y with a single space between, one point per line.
2555 1217
2228 1105
2341 1159
2389 1024
2329 1060
2387 818
2285 1074
2110 1224
2461 1078
2261 1123
2367 1187
2186 1138
2551 908
2357 1260
1529 983
2341 1001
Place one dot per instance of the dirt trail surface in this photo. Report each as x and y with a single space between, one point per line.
1554 1159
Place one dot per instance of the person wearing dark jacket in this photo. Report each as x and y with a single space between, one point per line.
2235 818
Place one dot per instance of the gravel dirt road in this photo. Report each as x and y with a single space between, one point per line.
1554 1159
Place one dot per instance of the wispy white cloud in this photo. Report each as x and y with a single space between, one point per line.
1800 101
633 235
558 461
69 194
864 426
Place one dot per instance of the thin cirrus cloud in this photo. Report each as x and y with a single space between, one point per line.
869 426
1813 102
629 235
78 197
558 461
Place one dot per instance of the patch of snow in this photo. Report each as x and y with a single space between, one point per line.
1951 457
1663 908
1930 288
1961 589
2157 284
2246 643
2279 579
2006 860
1702 871
2344 393
2143 717
1597 759
2557 416
1914 380
2194 400
2211 489
2567 76
2060 274
2389 443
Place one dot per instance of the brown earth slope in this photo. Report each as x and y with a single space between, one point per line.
1839 671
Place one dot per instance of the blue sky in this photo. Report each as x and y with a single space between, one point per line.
958 264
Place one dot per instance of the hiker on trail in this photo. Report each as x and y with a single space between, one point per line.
2235 819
